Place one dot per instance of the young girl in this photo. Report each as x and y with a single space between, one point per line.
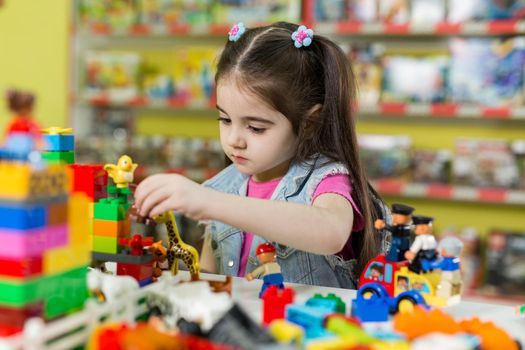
284 99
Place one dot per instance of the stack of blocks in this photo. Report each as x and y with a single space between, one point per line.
112 226
44 248
59 148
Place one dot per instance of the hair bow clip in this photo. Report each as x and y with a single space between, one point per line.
236 31
302 36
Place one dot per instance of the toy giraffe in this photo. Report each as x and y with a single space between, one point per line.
177 249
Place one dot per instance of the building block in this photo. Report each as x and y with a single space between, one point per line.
20 268
66 258
122 258
57 213
80 212
65 292
138 271
111 209
90 179
19 181
32 242
331 301
310 318
16 293
112 228
274 303
10 316
59 143
105 244
22 217
67 157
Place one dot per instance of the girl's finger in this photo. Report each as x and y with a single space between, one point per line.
151 200
162 207
146 187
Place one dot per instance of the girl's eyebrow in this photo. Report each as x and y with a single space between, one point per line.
249 118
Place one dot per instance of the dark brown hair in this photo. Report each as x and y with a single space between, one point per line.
19 101
294 81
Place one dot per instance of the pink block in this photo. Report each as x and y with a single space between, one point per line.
16 244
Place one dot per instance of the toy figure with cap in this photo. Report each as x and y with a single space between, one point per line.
424 246
269 269
400 230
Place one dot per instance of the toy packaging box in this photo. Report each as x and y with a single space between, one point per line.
113 75
331 10
432 166
518 148
386 156
363 10
487 71
427 12
255 11
505 262
419 79
466 10
118 14
485 163
171 12
394 11
368 72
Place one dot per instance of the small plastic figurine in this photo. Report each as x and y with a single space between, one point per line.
136 244
450 249
376 272
424 246
122 173
22 129
160 259
269 269
400 230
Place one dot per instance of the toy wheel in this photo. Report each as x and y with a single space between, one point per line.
406 305
368 293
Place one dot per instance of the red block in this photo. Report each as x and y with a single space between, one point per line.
274 303
21 268
90 179
138 271
14 317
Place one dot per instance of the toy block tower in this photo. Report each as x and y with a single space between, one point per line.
112 240
60 145
42 260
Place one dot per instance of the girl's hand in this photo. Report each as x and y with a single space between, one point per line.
249 276
160 193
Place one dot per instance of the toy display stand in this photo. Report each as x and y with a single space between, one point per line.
245 294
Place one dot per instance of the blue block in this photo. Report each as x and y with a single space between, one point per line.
145 282
328 304
59 143
23 217
310 318
370 310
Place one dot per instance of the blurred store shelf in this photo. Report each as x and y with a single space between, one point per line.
448 192
481 28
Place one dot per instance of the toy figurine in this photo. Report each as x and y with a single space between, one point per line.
122 173
400 230
376 272
22 128
160 259
424 246
450 249
269 269
136 244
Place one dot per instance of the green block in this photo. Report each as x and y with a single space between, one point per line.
105 244
340 305
113 209
59 157
66 292
19 294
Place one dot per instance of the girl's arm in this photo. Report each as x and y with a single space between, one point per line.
322 228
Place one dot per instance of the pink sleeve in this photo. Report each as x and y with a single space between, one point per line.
340 184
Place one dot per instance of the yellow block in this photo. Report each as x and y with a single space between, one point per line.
80 218
19 181
66 258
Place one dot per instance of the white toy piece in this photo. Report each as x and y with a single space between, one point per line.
109 287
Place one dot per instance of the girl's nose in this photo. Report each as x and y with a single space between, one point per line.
236 139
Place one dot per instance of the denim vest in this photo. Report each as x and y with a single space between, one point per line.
298 186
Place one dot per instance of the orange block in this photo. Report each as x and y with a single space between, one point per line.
109 228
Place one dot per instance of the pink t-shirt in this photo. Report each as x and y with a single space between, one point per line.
338 184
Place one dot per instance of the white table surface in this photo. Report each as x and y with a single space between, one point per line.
246 294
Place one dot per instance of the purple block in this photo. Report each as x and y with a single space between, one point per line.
16 244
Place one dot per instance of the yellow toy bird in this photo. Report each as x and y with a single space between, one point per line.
122 173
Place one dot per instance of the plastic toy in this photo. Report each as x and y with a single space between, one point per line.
177 249
269 269
136 243
424 246
400 230
160 259
21 103
122 173
109 287
520 309
274 303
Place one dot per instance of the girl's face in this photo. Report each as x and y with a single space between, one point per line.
258 139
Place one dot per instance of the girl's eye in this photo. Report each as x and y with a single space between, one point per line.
223 120
256 130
